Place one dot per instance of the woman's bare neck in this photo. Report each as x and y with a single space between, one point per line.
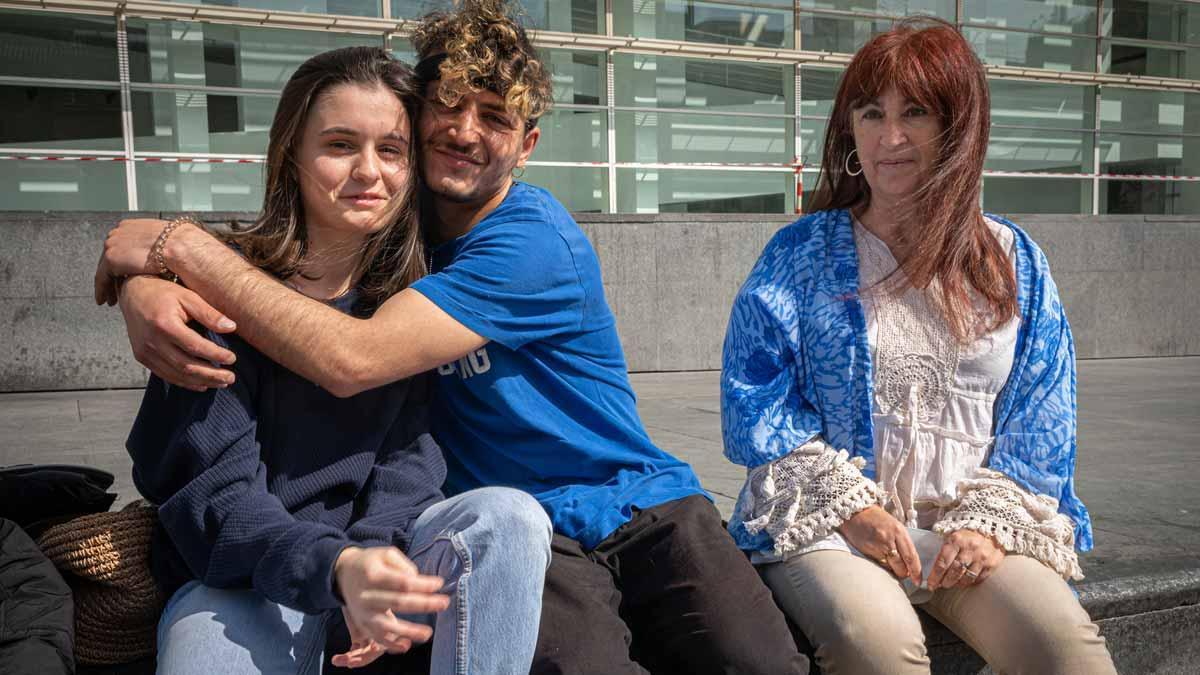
881 220
329 267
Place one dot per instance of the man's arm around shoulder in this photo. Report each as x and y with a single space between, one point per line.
409 334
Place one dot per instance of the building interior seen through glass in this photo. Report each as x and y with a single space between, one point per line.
1095 103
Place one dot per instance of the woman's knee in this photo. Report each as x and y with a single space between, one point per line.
855 615
877 638
1061 639
516 512
195 613
204 629
510 518
1025 619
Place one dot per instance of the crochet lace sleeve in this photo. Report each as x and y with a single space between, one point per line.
1022 522
802 496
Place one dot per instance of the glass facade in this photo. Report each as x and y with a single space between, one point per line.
368 8
660 106
63 185
46 117
220 55
757 23
200 187
58 46
703 191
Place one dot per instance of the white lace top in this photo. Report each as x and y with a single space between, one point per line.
933 397
932 412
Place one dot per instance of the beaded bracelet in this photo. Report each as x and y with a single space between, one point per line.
156 251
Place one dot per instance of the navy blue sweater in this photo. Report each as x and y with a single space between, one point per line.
262 484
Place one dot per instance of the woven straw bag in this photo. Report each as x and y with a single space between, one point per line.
105 558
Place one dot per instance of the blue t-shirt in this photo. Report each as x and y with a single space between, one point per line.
546 405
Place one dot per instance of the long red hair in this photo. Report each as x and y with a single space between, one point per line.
929 62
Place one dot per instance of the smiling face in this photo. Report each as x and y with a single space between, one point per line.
352 159
897 143
468 151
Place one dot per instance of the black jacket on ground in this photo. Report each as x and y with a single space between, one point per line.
37 617
37 496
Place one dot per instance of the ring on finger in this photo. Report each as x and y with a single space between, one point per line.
966 566
893 553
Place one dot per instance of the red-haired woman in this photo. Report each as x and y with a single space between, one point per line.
899 380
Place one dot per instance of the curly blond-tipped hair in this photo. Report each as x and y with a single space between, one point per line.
486 49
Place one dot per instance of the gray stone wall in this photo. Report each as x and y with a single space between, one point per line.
53 335
1129 283
670 279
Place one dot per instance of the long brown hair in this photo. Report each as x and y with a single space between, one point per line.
391 258
930 63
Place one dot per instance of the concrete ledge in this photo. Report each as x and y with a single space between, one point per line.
1128 596
1127 283
1154 642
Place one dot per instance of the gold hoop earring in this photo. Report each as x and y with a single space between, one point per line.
860 168
518 175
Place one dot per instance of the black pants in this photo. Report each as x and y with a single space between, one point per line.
668 592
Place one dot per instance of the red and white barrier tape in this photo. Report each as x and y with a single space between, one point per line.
799 188
736 166
107 158
1106 176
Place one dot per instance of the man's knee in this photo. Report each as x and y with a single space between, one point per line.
579 634
774 655
580 638
586 652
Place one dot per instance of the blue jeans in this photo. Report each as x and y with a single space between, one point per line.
492 546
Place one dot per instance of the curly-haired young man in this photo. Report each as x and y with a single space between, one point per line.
533 391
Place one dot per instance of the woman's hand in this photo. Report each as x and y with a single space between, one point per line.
877 534
967 558
126 253
363 650
156 314
376 583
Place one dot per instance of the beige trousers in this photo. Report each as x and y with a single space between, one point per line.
1022 619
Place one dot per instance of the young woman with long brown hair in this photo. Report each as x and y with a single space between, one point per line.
899 381
280 503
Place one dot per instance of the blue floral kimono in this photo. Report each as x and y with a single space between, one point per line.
797 364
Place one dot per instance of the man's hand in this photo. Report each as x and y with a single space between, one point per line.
156 314
877 534
376 583
126 253
967 558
